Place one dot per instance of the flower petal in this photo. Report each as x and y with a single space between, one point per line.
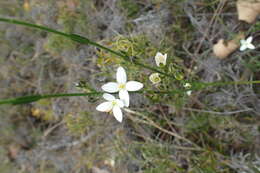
243 47
104 107
134 86
110 87
250 46
158 58
108 97
118 113
155 78
124 96
121 75
120 103
165 59
249 39
189 92
242 42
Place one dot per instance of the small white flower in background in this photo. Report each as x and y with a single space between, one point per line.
112 105
246 44
76 84
160 59
122 86
187 85
155 78
188 92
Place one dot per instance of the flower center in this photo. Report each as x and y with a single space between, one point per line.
161 58
156 79
114 103
121 86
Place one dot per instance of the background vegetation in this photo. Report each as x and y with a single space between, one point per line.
214 130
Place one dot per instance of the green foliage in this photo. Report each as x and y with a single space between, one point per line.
131 8
71 22
78 125
56 44
138 46
253 63
157 159
208 162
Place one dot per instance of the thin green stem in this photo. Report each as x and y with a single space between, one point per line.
82 40
231 83
34 98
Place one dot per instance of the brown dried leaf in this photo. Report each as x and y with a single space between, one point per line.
223 49
248 10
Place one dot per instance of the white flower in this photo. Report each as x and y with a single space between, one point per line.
122 86
246 44
155 78
160 59
112 105
188 92
187 85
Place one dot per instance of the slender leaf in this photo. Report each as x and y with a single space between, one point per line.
82 40
34 98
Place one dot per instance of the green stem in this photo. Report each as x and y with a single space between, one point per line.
82 40
34 98
231 83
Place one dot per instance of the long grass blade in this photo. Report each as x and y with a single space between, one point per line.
34 98
81 40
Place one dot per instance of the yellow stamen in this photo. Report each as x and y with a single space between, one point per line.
121 86
114 103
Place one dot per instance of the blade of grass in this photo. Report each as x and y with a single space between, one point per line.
34 98
82 40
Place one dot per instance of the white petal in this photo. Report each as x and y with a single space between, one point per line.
165 59
242 42
124 96
155 78
104 107
134 86
158 54
251 46
118 113
120 103
243 47
249 39
110 87
189 92
108 97
121 75
158 59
